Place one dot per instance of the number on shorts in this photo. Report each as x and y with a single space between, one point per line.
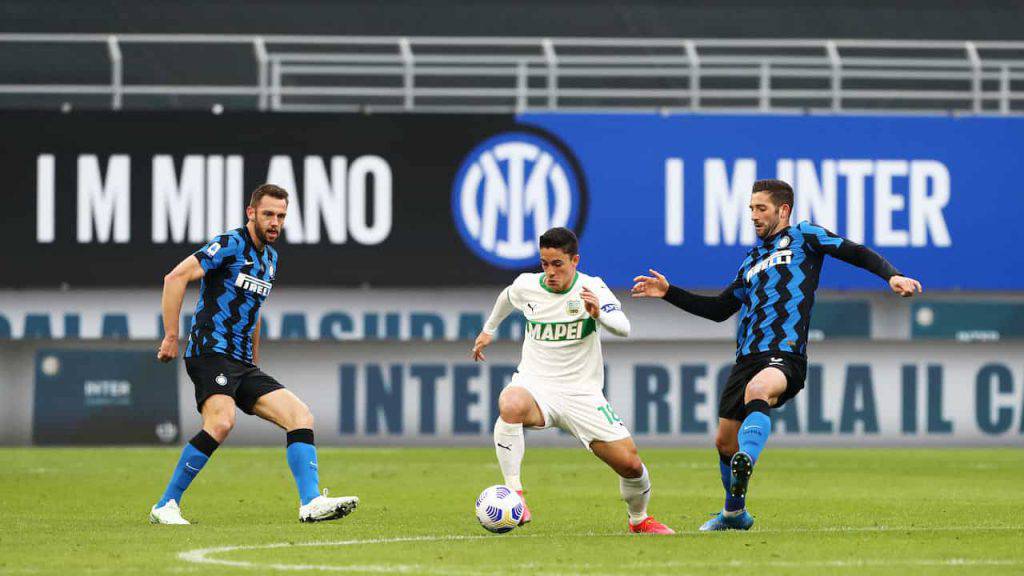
609 413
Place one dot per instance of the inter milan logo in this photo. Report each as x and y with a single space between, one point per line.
221 380
509 190
784 242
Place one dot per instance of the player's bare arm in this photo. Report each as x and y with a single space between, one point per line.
175 283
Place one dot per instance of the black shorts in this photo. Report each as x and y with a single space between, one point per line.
794 366
219 374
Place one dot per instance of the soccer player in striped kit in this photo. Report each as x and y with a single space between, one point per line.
774 293
237 271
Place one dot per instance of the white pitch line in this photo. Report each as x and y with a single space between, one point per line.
203 555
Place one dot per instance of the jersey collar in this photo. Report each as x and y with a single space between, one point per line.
545 286
770 241
248 240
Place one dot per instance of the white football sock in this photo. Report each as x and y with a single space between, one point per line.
509 445
637 493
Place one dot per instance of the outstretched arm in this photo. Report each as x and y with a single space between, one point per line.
502 308
718 308
860 256
175 283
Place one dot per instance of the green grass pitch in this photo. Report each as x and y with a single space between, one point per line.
84 511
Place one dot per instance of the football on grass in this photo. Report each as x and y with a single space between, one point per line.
499 509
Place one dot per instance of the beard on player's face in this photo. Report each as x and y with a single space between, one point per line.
268 219
268 234
766 215
766 224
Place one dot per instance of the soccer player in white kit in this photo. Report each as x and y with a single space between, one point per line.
561 375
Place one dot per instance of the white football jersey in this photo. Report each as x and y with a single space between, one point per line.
561 345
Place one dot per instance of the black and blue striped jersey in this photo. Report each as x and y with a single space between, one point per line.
774 288
238 279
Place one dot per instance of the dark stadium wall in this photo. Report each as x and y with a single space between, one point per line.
922 19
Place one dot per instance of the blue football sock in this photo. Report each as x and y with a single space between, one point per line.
193 457
756 428
302 461
732 503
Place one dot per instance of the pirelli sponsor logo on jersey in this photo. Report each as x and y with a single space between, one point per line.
253 284
561 331
780 257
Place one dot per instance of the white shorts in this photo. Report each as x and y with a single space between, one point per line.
586 415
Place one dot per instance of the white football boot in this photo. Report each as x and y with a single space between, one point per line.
169 513
324 507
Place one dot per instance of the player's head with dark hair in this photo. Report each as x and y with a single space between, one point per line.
267 190
781 192
562 239
559 257
771 204
266 211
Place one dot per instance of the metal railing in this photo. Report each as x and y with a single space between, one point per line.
428 74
